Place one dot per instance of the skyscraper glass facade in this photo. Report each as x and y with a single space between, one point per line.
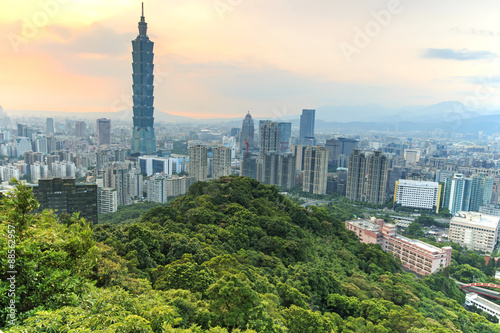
143 136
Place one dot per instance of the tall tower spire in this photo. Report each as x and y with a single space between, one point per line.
143 135
143 26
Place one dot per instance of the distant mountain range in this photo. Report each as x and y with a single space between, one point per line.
444 117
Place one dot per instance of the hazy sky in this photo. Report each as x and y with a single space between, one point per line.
224 57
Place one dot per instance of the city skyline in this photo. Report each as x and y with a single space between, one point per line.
415 55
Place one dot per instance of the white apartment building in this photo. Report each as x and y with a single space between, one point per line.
8 172
177 186
156 187
476 231
417 194
107 200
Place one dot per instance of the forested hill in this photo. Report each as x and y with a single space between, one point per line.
231 256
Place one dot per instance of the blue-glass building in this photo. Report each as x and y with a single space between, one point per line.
143 136
307 120
286 133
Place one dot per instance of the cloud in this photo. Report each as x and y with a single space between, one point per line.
96 39
462 55
476 32
488 80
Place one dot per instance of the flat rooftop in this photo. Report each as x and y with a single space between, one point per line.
418 183
366 224
484 302
476 219
420 244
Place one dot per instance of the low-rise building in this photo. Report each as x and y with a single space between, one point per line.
417 256
476 231
483 304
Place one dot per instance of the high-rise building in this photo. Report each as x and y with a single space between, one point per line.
267 168
117 177
247 133
417 194
103 131
22 130
481 192
355 188
51 144
23 145
136 183
50 125
286 134
307 120
457 192
394 175
248 166
340 146
143 135
156 188
38 170
80 129
286 171
41 144
63 195
235 132
270 137
198 162
221 159
412 156
107 201
377 178
178 185
230 142
300 153
315 170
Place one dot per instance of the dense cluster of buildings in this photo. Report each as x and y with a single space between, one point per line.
153 161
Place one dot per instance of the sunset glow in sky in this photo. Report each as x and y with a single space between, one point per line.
220 58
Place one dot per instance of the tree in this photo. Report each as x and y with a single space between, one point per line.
467 274
235 304
183 274
299 320
415 230
490 268
54 261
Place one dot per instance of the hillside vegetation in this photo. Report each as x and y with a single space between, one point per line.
231 256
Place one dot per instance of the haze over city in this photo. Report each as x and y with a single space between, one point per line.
237 166
218 59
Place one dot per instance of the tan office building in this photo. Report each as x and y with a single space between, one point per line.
476 231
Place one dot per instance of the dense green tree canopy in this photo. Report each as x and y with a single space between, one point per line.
233 255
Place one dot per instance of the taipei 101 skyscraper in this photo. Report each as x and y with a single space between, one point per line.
143 136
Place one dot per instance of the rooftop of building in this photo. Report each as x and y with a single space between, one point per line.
476 219
484 302
367 224
418 183
422 245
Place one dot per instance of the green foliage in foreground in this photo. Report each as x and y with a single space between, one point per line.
128 214
232 256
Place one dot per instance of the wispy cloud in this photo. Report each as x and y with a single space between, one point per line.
476 32
462 55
